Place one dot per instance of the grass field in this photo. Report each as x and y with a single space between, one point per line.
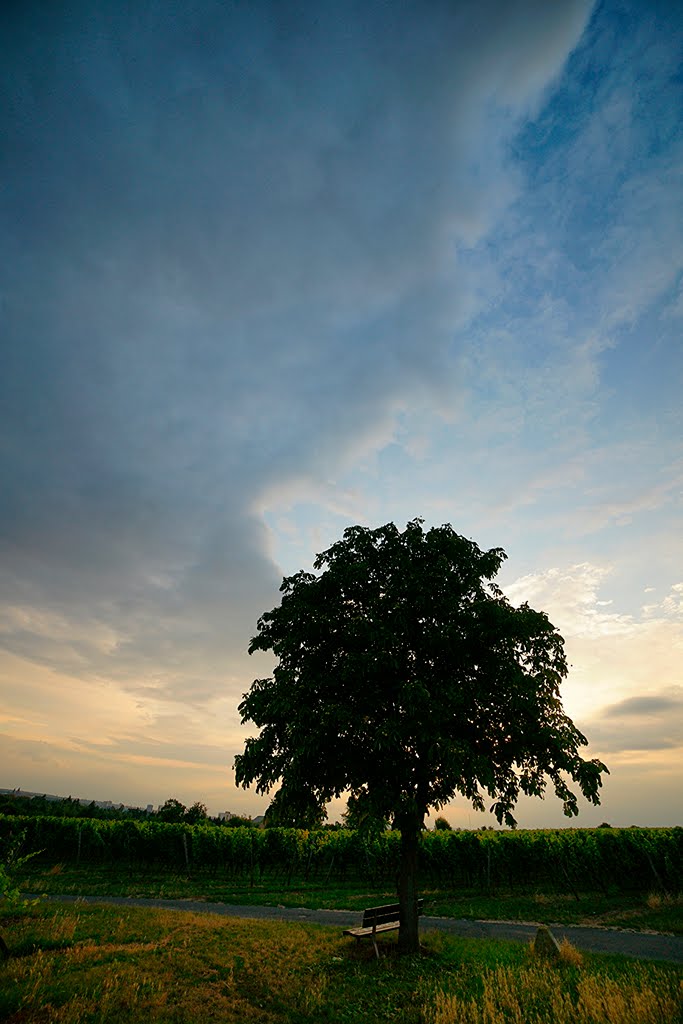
86 963
653 913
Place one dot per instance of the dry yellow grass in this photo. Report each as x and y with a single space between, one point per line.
570 955
191 968
538 995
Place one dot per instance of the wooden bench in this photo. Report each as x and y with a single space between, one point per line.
379 919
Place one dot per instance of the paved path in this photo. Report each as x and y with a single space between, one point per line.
641 945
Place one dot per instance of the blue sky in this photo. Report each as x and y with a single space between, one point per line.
271 271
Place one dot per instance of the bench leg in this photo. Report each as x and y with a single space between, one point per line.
374 943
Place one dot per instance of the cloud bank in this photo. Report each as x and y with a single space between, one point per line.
276 271
232 235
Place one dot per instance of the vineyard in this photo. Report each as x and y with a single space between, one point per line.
564 860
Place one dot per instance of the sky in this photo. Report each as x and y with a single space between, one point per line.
270 270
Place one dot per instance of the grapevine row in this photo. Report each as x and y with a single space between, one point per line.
604 859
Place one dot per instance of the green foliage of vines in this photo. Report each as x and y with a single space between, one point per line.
631 859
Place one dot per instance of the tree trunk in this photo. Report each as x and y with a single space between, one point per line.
409 934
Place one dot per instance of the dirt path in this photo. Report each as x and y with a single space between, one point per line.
640 945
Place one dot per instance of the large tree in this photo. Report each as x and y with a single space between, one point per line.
406 677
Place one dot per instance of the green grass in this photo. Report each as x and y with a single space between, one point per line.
639 912
76 965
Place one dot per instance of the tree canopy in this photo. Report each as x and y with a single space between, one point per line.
359 814
196 813
404 675
442 824
303 813
172 810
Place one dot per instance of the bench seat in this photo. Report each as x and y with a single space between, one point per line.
363 932
377 920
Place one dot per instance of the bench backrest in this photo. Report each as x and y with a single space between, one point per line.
383 915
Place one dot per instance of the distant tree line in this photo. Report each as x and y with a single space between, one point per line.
357 816
172 811
69 807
